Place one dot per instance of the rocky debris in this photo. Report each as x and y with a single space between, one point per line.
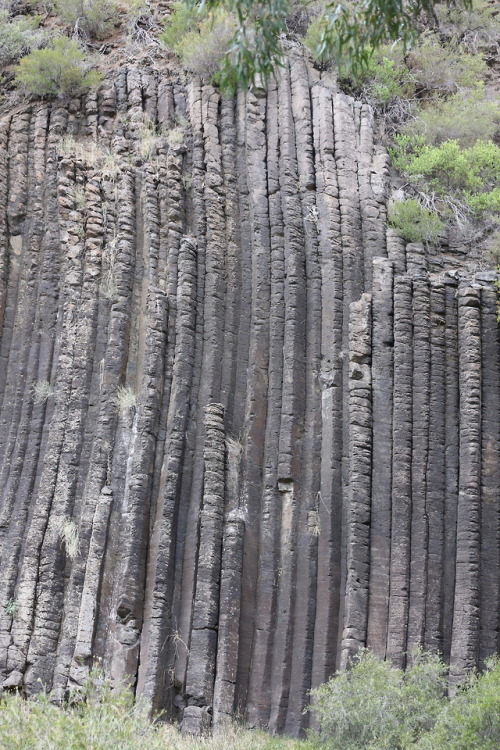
244 428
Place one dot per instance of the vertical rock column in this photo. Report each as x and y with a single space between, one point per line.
162 543
258 703
229 619
203 643
435 495
419 464
399 572
329 498
360 469
490 475
451 462
465 632
383 389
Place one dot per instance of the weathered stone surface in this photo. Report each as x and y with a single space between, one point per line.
245 429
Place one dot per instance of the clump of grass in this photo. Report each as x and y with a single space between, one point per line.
43 389
92 154
68 534
414 222
103 716
11 607
108 287
175 136
125 398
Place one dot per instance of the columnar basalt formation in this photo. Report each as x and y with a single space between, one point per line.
245 429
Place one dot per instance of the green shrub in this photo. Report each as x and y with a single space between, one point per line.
89 18
484 203
312 42
384 78
414 222
18 36
205 49
471 721
465 119
201 40
59 69
377 707
449 170
183 19
444 68
473 28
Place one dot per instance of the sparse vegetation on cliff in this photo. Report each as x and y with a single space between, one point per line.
414 222
18 36
58 69
87 18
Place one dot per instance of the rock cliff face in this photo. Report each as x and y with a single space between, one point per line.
244 428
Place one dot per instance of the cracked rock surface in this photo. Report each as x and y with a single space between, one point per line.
244 428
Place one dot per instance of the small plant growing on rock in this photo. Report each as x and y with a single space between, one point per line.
57 70
175 136
92 154
148 139
80 199
108 287
43 390
125 398
68 534
11 607
414 222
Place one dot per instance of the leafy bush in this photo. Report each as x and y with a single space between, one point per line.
377 707
470 173
414 222
473 27
444 68
465 119
59 69
471 721
201 39
485 202
312 41
89 18
183 19
205 49
18 36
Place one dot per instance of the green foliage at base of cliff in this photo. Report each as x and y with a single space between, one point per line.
100 718
372 706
